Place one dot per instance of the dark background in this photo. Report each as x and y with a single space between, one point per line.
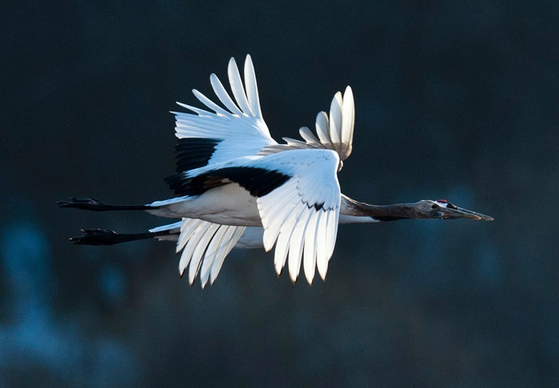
453 100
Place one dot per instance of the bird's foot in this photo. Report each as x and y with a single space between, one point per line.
97 237
83 203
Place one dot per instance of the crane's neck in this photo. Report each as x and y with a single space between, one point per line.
353 211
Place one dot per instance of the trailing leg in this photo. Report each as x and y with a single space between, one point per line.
109 237
98 206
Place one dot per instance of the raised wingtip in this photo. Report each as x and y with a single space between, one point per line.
232 62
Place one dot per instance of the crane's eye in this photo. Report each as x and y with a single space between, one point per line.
434 206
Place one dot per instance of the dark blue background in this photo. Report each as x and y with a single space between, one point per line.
453 100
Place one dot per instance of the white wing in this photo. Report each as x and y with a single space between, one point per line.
238 129
335 132
298 199
301 216
204 246
250 239
216 242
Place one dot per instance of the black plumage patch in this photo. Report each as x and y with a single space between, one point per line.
257 181
194 152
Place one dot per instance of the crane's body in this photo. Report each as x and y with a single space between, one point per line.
236 186
228 205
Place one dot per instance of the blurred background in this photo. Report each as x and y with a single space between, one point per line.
453 100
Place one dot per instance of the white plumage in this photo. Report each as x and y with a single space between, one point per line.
238 186
300 217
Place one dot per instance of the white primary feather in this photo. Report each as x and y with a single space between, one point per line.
309 262
190 247
210 254
221 244
297 241
189 226
348 122
237 87
223 96
321 125
335 124
232 235
308 136
199 249
252 88
321 250
209 103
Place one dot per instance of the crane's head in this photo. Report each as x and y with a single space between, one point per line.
445 210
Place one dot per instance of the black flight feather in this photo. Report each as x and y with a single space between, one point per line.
193 153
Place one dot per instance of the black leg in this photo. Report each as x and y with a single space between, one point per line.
109 237
96 205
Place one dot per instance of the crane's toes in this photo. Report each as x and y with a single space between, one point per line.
96 237
81 203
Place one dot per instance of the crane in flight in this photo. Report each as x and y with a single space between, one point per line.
235 186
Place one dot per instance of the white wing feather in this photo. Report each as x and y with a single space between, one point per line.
311 216
204 247
301 216
303 211
335 119
239 126
252 88
334 132
241 129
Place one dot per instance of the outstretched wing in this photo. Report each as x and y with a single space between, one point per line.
223 133
237 128
298 198
204 246
335 132
301 216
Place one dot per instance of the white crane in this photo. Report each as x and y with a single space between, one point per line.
238 186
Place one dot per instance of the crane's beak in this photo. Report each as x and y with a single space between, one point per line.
458 212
